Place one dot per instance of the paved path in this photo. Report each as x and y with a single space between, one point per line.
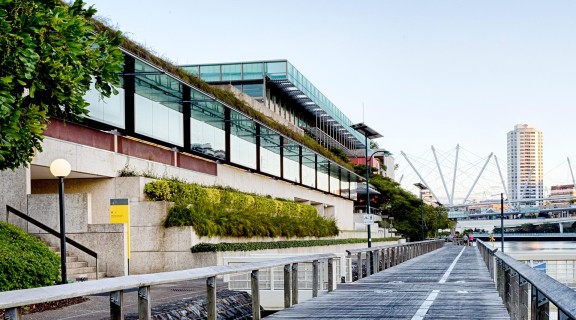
449 283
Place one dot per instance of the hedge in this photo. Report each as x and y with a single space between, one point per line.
254 246
230 213
25 262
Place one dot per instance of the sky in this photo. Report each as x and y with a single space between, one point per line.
422 73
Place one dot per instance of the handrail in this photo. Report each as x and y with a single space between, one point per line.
13 300
391 255
92 253
544 288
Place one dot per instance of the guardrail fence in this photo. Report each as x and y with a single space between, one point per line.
384 257
527 293
13 301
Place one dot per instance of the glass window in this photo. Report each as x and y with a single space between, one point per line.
308 168
107 110
242 140
291 161
334 179
253 90
322 172
231 72
158 106
207 133
252 71
344 183
210 73
269 151
276 70
354 179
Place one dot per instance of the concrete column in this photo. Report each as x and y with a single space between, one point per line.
294 283
331 275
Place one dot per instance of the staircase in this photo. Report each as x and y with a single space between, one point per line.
77 270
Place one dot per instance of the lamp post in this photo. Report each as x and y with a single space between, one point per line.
502 221
422 187
60 168
368 133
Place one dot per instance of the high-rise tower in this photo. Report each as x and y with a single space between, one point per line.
525 164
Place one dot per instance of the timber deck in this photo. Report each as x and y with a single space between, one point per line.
449 283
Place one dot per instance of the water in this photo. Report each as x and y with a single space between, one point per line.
542 247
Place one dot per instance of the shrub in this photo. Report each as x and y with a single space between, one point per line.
253 246
229 213
25 262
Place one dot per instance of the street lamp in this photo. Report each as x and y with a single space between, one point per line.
368 133
502 221
60 168
422 188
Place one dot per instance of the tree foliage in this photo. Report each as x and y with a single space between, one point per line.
50 55
405 208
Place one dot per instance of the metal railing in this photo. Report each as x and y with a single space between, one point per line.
527 293
12 301
384 257
53 232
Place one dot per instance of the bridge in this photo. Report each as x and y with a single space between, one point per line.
422 280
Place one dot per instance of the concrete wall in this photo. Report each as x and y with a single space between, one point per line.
87 160
14 186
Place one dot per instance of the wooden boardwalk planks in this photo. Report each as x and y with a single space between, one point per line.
420 288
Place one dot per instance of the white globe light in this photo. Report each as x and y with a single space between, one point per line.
60 168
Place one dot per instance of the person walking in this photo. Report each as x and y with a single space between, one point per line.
465 239
471 240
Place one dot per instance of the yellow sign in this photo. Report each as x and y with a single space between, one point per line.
120 213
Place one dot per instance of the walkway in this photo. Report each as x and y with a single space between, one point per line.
449 283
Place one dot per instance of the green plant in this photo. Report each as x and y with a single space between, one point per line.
254 246
25 262
50 56
225 212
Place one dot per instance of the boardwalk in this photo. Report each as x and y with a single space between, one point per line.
449 283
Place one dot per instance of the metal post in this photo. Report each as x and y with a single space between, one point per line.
287 286
144 303
502 221
315 278
330 274
255 295
211 298
116 305
64 279
422 212
294 283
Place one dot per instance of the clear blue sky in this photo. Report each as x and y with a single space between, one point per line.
436 72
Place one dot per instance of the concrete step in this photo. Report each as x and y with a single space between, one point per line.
76 264
70 259
85 276
81 270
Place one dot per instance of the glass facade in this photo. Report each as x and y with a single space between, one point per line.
153 104
269 151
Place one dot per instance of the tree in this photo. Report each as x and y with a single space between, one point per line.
405 207
51 53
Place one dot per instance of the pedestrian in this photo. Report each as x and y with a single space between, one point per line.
465 239
471 239
492 238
